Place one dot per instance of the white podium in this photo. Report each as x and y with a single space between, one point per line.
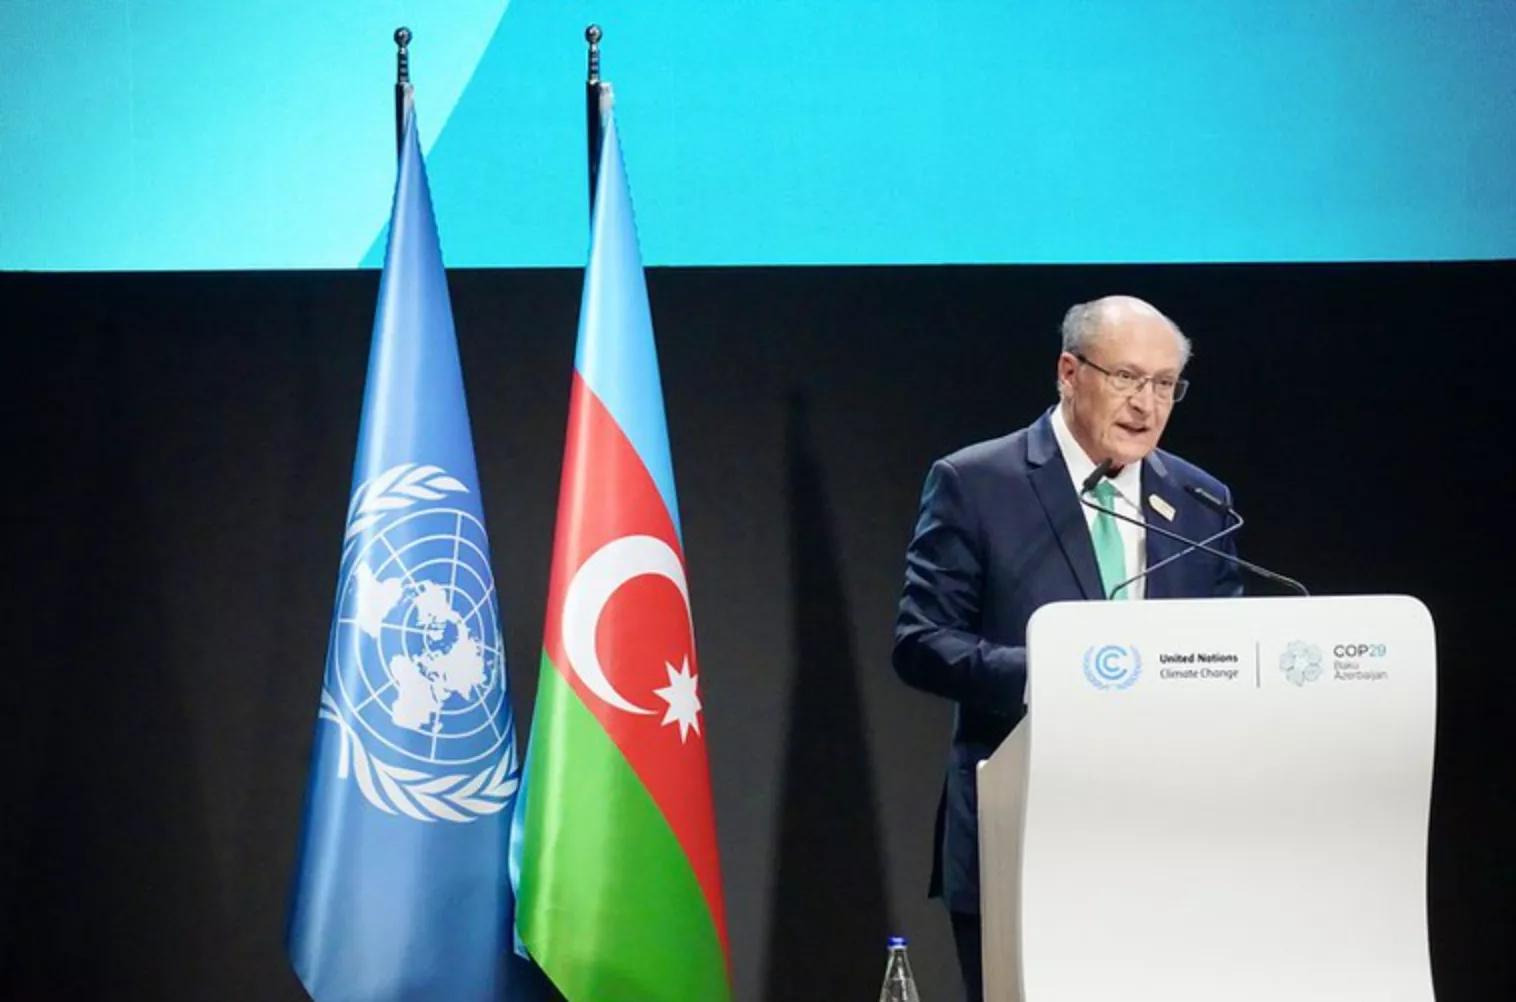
1214 800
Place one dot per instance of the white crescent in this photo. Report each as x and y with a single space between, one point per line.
597 579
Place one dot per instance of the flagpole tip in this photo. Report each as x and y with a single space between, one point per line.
592 35
402 57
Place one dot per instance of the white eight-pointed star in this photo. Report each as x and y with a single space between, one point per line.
682 699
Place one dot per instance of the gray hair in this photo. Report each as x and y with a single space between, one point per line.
1082 323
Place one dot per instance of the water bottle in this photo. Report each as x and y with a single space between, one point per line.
899 983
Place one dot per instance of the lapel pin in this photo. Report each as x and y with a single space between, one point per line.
1161 506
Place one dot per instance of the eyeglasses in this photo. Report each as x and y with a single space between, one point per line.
1128 383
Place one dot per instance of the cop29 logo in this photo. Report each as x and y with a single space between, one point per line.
1300 662
1111 666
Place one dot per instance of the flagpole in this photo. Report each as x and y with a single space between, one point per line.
402 83
592 121
380 805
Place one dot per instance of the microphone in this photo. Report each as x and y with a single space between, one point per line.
1219 506
1210 500
1206 498
1096 475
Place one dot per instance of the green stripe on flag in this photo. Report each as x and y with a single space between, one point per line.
608 904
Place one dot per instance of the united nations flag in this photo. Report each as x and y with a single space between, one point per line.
401 887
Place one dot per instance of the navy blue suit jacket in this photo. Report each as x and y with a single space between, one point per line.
1001 533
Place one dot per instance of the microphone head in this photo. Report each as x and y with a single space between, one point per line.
1208 499
1100 471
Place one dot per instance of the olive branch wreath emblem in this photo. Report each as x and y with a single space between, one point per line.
458 797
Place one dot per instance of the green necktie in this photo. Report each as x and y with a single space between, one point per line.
1109 553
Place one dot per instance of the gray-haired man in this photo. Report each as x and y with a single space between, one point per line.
1001 533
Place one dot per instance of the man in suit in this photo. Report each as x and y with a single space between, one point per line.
1001 532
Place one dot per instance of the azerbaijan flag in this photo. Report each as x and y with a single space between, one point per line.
619 882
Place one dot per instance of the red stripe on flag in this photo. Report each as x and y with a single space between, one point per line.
643 630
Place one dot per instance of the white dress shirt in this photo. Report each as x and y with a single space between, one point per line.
1128 484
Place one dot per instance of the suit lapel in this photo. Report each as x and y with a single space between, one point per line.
1156 482
1055 491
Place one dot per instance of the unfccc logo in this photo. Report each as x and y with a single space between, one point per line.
1111 666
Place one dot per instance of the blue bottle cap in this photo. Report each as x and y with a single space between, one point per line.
897 941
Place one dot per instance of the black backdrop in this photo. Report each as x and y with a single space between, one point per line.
176 483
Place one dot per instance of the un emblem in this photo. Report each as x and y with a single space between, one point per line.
415 674
1111 666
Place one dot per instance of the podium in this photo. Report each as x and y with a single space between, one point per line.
1214 799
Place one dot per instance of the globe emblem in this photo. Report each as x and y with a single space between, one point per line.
1112 666
417 660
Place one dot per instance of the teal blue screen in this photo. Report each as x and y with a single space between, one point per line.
210 135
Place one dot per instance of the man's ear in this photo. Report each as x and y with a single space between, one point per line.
1065 373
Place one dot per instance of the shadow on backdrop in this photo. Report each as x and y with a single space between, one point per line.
830 914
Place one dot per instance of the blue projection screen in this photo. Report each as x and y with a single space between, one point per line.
215 135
